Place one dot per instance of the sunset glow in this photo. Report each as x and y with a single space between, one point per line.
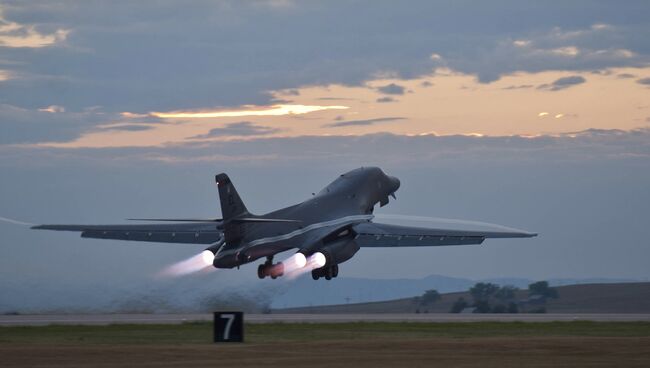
276 110
442 103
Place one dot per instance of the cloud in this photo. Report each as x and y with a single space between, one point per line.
521 43
129 127
21 125
335 99
563 83
557 48
13 34
594 133
391 89
139 58
4 75
52 109
386 99
644 81
339 124
240 129
520 86
593 145
214 69
625 76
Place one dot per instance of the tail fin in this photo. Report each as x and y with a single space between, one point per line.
231 204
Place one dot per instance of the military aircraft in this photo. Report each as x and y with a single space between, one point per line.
326 230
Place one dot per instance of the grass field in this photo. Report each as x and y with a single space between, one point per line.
482 344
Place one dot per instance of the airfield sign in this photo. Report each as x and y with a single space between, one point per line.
228 326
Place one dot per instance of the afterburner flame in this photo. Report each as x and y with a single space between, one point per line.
300 260
318 259
196 263
207 257
294 264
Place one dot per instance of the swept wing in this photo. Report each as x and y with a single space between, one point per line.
372 234
189 232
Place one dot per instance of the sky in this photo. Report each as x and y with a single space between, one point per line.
534 115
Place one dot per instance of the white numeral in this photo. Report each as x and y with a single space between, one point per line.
226 332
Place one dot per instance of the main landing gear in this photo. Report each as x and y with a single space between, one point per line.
269 269
328 272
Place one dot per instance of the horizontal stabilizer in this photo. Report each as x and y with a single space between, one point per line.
260 219
174 220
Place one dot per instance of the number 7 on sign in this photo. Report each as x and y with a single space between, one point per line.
228 326
226 331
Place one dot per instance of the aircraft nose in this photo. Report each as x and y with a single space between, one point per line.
395 183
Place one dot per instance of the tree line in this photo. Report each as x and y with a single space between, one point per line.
487 297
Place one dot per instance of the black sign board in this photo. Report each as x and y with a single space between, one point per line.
228 326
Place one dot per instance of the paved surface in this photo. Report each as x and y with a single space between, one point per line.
105 319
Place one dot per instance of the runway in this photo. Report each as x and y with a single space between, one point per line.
107 319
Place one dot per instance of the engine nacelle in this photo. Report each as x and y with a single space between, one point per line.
214 248
339 250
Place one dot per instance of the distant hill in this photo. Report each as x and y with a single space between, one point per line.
305 292
586 298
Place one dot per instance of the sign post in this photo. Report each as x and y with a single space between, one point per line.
228 326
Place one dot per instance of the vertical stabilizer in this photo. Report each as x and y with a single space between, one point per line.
231 204
232 207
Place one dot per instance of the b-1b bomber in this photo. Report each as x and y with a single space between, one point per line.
325 230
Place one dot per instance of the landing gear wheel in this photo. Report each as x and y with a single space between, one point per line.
328 273
260 271
315 275
335 271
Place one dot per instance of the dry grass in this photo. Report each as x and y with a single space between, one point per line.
360 345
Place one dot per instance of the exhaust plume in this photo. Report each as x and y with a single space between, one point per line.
197 263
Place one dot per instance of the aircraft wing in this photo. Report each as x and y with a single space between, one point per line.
371 234
189 233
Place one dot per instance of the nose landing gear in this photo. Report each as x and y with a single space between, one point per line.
328 272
